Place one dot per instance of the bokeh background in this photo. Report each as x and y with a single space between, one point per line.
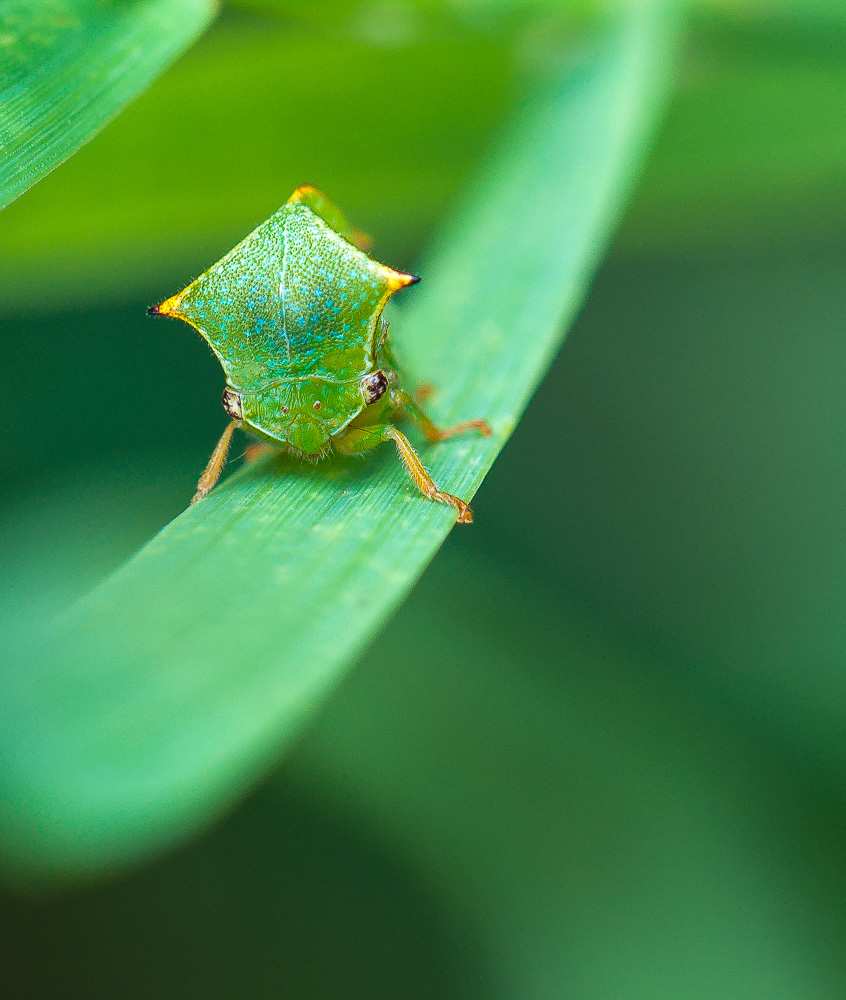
600 752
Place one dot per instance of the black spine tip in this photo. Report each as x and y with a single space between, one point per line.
153 311
414 279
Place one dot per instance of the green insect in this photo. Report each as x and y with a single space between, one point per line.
294 315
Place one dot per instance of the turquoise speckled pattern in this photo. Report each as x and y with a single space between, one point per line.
291 300
292 313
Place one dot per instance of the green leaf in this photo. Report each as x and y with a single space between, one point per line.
68 66
568 799
154 702
748 154
229 160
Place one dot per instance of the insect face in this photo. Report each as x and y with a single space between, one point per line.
307 435
232 404
373 386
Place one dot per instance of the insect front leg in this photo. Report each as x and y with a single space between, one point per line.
401 400
216 463
360 439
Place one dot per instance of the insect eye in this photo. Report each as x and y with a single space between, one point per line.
232 404
373 386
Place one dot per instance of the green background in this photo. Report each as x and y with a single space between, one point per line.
600 750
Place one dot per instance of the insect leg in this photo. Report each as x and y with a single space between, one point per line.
355 440
432 431
360 439
216 463
422 479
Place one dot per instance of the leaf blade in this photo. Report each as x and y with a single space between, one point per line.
178 680
68 66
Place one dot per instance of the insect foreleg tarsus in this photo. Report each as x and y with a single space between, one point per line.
422 479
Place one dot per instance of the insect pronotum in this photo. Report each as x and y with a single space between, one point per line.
294 315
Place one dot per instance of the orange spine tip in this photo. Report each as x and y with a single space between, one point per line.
400 280
166 308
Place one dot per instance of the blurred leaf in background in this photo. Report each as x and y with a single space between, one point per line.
258 107
68 66
753 150
599 752
153 702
